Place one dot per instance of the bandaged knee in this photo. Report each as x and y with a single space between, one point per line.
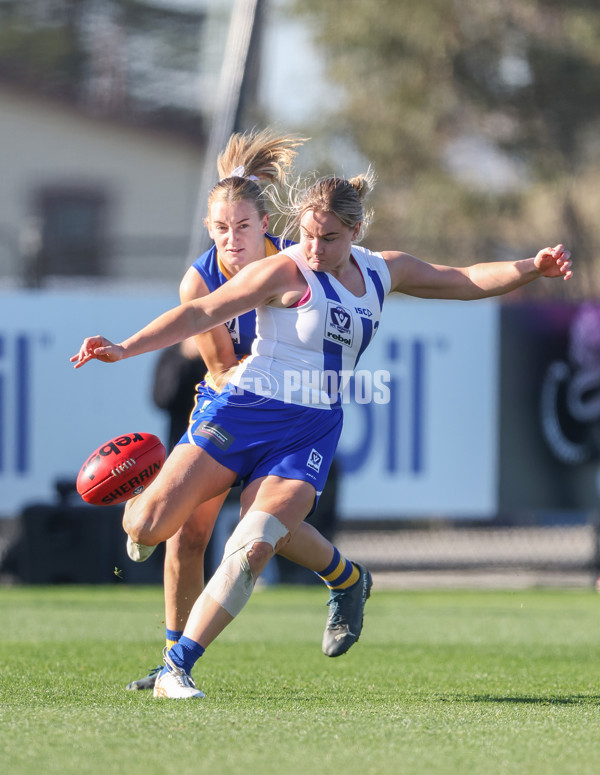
233 582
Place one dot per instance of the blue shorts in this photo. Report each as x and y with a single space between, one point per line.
255 437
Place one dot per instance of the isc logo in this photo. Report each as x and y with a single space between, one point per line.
15 366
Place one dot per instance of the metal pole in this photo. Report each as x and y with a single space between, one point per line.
595 520
229 93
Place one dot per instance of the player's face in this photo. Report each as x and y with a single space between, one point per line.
326 242
238 233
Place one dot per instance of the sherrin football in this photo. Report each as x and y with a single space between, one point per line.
120 468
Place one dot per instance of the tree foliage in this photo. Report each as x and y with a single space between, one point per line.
131 59
480 118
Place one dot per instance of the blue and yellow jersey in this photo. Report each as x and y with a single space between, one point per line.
242 329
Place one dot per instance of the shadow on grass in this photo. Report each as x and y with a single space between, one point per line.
573 699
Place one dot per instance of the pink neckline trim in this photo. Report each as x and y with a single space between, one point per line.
306 295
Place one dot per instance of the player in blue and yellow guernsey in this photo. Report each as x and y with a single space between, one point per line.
237 221
214 271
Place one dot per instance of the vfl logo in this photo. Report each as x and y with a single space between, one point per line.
338 324
233 326
314 460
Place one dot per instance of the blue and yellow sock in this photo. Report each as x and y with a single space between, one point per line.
173 637
340 573
185 653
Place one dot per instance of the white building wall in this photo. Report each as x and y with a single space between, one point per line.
151 178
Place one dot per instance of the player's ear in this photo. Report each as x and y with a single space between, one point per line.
356 230
264 224
207 224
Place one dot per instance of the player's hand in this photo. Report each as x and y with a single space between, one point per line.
97 348
554 262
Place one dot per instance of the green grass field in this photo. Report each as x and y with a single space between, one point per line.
440 682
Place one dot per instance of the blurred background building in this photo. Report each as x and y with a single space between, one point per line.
482 121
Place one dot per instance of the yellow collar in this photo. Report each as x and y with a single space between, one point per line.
270 250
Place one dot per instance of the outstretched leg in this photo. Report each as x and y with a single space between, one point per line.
189 477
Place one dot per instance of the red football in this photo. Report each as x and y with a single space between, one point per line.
120 468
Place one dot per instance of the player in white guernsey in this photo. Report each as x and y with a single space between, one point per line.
304 354
281 448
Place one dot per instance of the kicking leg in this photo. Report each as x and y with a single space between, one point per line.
189 477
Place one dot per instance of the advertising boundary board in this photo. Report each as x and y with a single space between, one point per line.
420 436
429 450
53 416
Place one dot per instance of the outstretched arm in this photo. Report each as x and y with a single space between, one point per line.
479 281
260 283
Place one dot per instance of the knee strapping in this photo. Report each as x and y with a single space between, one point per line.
233 582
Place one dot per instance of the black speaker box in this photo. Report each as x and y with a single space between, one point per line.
64 543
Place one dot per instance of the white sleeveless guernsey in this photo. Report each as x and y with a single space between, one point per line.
305 355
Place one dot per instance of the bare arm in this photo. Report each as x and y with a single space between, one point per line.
479 281
263 282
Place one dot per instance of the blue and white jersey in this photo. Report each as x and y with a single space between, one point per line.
306 354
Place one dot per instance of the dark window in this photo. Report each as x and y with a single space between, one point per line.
73 231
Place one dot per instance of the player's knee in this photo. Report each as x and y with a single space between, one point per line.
141 534
247 551
139 523
258 556
258 534
131 522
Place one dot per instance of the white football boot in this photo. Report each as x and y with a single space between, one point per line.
138 552
175 683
